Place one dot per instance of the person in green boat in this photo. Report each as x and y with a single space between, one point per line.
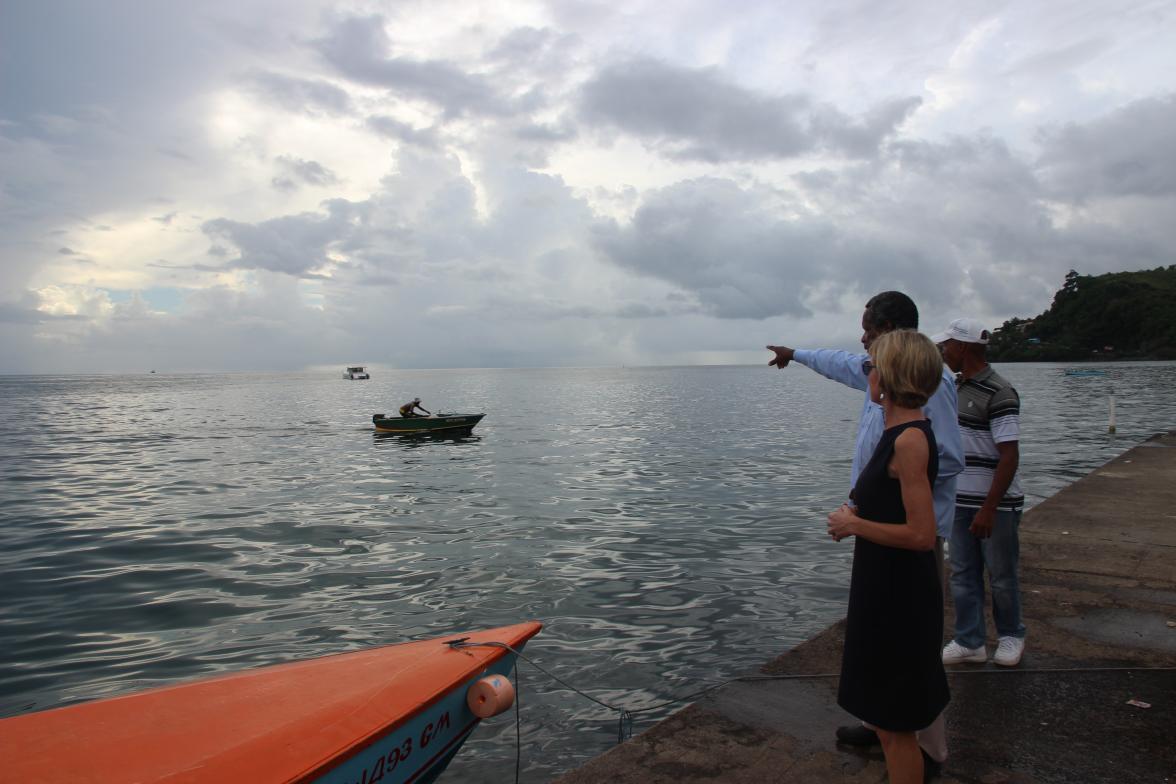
409 409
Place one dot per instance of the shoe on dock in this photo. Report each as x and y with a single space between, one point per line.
954 653
1008 651
857 735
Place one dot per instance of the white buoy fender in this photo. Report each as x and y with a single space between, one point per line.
490 696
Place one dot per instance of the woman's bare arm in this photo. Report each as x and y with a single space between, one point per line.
909 467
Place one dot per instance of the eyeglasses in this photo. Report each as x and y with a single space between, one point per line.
867 366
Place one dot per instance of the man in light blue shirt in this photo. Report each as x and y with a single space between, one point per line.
885 312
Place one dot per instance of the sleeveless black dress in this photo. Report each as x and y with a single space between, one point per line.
891 669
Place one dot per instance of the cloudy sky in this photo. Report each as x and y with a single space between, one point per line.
285 184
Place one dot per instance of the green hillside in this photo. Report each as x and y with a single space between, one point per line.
1119 315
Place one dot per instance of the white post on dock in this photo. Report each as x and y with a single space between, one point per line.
1111 428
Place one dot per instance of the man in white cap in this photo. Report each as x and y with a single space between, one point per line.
988 501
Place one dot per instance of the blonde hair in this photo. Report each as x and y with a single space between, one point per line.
909 367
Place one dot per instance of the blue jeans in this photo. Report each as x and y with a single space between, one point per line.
970 556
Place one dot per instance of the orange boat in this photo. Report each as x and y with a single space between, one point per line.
392 714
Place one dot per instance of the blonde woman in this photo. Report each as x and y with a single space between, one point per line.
891 671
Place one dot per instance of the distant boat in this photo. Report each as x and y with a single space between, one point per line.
446 424
393 714
1085 372
357 373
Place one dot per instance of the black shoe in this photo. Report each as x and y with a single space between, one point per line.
857 735
931 768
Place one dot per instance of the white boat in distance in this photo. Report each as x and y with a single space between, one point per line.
357 373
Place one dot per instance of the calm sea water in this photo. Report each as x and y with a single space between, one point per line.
666 524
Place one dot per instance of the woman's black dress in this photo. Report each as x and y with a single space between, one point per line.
891 670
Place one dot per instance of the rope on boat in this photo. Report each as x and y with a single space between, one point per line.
518 722
625 723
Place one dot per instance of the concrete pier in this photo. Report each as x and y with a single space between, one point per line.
1093 700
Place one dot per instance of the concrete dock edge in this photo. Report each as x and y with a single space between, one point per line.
1093 700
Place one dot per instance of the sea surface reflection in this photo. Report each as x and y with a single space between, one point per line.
666 524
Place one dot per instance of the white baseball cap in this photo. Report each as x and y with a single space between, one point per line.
965 330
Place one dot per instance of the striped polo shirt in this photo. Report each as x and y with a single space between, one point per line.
990 414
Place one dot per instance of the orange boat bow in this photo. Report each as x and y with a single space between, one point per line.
290 722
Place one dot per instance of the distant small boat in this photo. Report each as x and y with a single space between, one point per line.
1085 372
447 424
357 373
393 714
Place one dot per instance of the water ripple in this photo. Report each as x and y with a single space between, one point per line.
665 523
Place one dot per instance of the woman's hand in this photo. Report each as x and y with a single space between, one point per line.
841 522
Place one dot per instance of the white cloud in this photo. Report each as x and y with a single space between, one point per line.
541 183
74 301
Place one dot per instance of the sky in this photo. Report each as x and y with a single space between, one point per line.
291 184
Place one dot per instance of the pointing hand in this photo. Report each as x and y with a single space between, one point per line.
783 356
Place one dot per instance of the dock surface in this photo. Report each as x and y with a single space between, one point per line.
1093 700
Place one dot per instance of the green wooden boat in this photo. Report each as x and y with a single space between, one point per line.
441 424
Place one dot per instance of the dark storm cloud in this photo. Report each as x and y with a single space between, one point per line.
965 219
395 129
990 224
540 53
698 114
1129 152
359 49
967 170
424 213
859 138
942 217
299 95
292 244
725 245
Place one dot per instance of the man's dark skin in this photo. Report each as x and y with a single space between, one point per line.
870 333
968 359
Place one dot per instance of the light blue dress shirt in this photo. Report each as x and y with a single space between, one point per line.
941 410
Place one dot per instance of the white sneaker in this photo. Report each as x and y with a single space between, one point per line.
954 653
1008 651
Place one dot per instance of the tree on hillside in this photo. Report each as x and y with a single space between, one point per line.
1118 315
